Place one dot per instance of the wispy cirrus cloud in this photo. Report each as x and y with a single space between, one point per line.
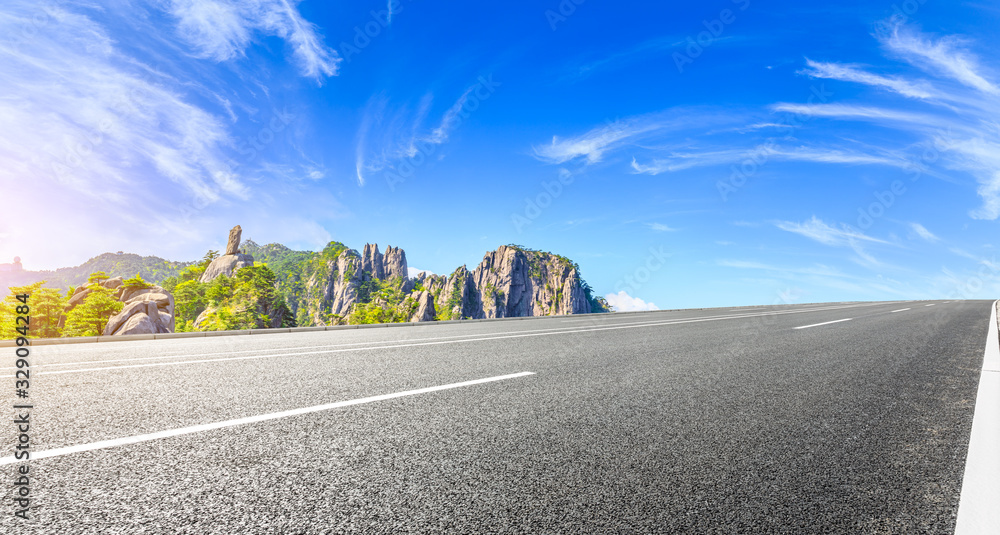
854 73
844 236
222 30
856 112
680 161
386 137
816 229
924 234
960 122
945 56
590 147
118 148
660 227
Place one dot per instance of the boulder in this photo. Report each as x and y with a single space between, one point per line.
226 265
116 321
113 284
202 317
233 245
78 298
162 300
155 304
140 324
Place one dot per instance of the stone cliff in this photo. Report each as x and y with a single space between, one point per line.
509 282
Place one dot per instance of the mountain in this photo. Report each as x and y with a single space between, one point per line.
151 268
344 286
274 286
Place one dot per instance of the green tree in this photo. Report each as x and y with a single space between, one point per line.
136 283
189 300
91 316
97 277
45 308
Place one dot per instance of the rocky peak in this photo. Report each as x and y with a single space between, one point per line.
371 263
230 262
394 263
233 245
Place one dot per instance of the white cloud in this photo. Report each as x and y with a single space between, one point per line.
848 111
923 232
679 161
413 272
222 30
852 73
449 120
817 230
947 56
399 137
591 145
623 302
660 227
112 124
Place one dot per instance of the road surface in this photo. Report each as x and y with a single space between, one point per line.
821 418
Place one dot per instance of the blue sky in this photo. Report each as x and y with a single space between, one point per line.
685 154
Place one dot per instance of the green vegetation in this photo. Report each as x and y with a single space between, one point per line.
136 283
386 304
597 303
294 269
284 288
247 301
45 308
91 316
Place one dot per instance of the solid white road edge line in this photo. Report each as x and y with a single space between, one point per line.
977 508
900 310
824 323
250 420
496 336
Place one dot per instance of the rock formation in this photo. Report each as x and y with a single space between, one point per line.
425 306
509 282
233 245
230 262
144 311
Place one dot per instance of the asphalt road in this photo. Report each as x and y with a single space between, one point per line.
701 421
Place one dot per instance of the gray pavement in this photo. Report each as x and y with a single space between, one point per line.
702 421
